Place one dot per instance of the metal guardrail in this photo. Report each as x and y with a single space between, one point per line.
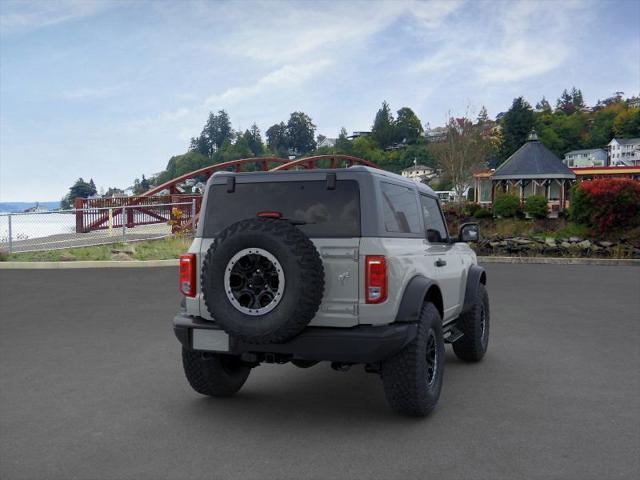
57 229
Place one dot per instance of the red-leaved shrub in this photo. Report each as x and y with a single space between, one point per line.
607 204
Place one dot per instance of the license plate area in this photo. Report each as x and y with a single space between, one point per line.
210 340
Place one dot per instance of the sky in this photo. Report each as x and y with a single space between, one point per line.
110 90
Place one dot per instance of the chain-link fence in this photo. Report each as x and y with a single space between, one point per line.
53 230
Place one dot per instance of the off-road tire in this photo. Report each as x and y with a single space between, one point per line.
303 272
213 374
472 346
405 375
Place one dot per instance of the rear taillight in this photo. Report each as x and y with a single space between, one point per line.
188 274
375 279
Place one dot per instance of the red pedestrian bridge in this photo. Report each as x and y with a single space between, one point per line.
165 203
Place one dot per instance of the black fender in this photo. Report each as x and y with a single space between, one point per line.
475 277
418 289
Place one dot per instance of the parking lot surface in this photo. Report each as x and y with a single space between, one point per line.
91 387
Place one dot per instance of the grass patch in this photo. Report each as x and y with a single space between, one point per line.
162 249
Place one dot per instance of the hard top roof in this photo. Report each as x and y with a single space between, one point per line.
320 174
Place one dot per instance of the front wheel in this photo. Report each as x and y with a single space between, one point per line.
412 378
214 374
475 326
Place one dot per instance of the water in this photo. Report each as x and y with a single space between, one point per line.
29 226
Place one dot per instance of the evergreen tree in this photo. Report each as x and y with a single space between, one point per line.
382 130
543 106
576 99
483 116
253 138
343 144
517 123
565 103
408 126
216 131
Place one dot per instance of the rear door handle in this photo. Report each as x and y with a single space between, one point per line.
440 263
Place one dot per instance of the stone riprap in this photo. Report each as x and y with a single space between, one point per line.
556 247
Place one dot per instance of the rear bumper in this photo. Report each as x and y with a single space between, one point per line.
361 344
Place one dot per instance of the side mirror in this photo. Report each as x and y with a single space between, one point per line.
469 232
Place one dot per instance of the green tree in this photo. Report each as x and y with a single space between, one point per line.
517 123
577 99
383 130
367 148
277 139
216 131
565 103
408 126
301 133
343 144
627 124
253 138
544 106
483 116
80 189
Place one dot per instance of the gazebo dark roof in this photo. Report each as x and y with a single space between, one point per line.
533 160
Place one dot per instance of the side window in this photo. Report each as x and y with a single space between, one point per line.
400 209
436 230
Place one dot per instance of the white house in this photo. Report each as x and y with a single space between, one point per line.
419 173
624 152
594 157
327 142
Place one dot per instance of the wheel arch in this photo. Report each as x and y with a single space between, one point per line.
420 289
476 276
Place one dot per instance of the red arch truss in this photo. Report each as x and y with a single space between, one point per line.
333 161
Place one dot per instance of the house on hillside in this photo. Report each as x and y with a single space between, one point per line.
532 170
358 134
435 135
624 152
593 157
327 142
419 173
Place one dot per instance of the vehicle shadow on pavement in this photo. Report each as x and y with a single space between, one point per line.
284 393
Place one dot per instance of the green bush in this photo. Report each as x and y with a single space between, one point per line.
483 213
471 208
536 206
506 205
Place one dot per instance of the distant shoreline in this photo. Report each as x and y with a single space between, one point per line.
17 207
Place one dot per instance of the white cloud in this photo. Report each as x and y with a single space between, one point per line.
526 40
20 16
285 77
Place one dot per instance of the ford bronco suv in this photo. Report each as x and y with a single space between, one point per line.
351 266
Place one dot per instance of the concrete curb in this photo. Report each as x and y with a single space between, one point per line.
174 263
562 261
89 264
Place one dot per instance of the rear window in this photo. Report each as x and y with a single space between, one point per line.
321 212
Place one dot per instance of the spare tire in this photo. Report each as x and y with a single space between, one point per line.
262 280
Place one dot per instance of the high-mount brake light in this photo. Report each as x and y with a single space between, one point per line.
375 279
188 274
269 214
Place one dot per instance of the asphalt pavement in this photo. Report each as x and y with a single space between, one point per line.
91 387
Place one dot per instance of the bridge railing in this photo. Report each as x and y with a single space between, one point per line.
102 213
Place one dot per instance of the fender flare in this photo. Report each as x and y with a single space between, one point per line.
475 277
414 296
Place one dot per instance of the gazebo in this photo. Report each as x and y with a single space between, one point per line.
532 170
